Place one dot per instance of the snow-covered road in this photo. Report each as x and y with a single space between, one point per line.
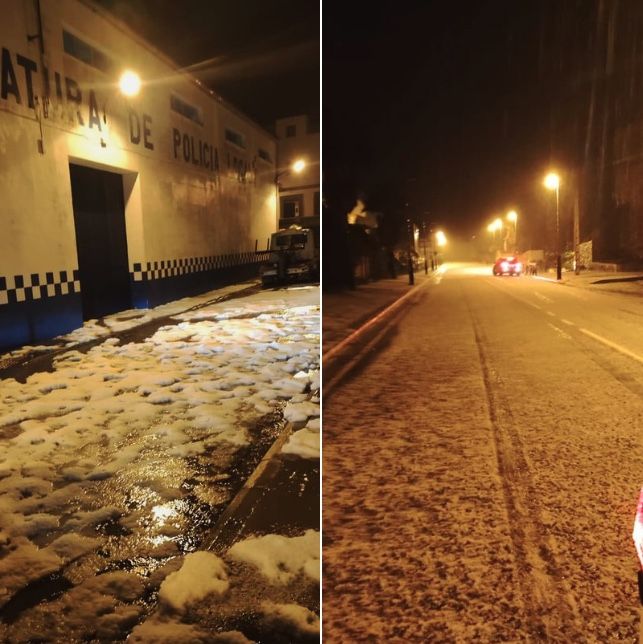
115 465
482 468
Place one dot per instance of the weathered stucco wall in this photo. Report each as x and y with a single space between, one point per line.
197 194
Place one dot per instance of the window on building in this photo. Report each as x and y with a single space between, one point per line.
235 137
84 52
265 155
292 206
291 130
184 108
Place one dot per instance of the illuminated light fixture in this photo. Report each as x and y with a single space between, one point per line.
298 166
552 181
440 238
637 535
512 216
129 83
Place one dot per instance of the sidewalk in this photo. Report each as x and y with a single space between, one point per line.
629 283
16 361
145 427
345 311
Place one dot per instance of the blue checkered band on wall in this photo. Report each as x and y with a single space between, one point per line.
38 286
143 272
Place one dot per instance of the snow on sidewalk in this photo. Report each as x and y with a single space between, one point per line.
109 462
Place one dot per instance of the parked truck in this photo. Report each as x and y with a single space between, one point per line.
294 257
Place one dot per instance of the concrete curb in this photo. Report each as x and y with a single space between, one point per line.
227 527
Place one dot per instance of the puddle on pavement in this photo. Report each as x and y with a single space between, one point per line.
44 589
293 503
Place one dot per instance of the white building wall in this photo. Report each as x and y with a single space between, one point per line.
189 193
303 145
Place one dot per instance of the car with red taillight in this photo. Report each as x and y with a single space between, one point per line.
507 266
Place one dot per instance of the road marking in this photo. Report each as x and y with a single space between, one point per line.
567 322
540 308
550 313
544 279
612 345
560 331
542 297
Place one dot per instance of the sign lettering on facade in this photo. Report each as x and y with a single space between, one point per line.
195 151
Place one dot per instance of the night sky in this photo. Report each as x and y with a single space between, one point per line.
261 56
443 106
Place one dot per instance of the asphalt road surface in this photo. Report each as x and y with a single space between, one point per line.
482 464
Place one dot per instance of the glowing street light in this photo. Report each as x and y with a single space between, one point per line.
440 238
552 182
129 83
298 166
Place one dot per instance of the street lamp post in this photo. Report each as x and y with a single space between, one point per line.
512 216
129 85
440 240
426 264
296 167
494 227
552 182
410 262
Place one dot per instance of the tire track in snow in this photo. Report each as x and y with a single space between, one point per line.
548 601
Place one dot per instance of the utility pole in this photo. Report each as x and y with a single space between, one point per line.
426 263
576 229
410 243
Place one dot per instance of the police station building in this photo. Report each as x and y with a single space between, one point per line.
115 196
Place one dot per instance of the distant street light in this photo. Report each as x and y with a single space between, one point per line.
512 216
440 238
552 182
296 166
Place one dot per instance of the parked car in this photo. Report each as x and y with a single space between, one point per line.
507 266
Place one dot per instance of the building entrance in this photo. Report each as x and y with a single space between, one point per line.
101 241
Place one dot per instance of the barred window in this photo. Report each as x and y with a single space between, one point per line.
235 137
86 53
265 155
183 108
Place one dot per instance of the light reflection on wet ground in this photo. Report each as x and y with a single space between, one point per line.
156 529
156 508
